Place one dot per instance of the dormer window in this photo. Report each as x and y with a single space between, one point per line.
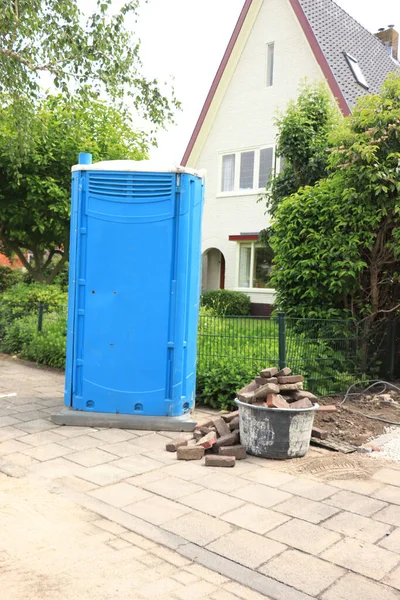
356 70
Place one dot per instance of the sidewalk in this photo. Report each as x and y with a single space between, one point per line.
310 528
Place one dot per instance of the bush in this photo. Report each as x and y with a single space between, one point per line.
47 347
226 303
218 383
9 277
23 299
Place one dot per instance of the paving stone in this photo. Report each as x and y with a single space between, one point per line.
223 595
268 477
149 477
10 433
355 587
196 591
304 536
70 431
25 416
389 476
120 494
122 449
42 438
356 526
392 541
4 421
36 425
91 458
221 481
104 474
393 579
81 442
137 464
355 503
359 486
11 446
254 518
365 559
161 456
47 452
138 540
160 587
302 571
387 493
153 441
22 460
113 436
184 577
307 488
246 548
56 468
390 515
245 593
206 574
311 511
157 510
119 544
198 528
172 487
261 494
211 502
170 556
187 471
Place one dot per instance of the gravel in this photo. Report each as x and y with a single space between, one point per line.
388 443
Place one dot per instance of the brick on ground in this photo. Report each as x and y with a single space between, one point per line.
190 453
234 424
238 451
228 440
176 443
207 441
321 434
221 427
216 460
230 416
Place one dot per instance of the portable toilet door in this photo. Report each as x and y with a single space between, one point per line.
134 288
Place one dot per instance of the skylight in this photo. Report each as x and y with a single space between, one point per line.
356 69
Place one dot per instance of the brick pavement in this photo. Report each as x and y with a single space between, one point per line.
268 528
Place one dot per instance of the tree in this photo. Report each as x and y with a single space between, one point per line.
35 192
337 243
88 55
302 141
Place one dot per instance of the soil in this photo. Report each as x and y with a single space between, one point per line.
349 424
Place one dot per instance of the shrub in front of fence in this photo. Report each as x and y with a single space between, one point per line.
226 302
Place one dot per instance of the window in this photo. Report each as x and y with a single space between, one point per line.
254 169
356 69
228 173
254 265
266 168
270 64
246 170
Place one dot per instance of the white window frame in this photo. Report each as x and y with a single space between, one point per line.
270 68
356 70
249 244
256 175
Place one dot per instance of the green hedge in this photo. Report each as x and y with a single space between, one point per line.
46 347
22 299
226 303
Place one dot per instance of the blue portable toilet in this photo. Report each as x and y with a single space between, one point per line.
134 290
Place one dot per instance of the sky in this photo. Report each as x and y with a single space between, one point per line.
185 40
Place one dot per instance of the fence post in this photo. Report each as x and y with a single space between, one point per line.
282 340
40 317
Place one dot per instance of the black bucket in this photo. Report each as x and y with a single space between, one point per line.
275 432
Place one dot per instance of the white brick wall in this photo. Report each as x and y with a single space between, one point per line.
245 120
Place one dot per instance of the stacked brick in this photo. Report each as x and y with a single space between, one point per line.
217 440
276 388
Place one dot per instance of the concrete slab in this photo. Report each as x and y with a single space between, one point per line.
78 418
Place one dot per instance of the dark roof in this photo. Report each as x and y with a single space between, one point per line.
337 32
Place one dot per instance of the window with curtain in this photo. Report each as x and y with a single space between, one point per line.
228 173
266 166
244 266
254 265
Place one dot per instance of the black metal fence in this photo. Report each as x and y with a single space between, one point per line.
331 354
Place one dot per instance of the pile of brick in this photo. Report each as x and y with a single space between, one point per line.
276 388
217 439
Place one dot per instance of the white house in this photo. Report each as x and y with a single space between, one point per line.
275 45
